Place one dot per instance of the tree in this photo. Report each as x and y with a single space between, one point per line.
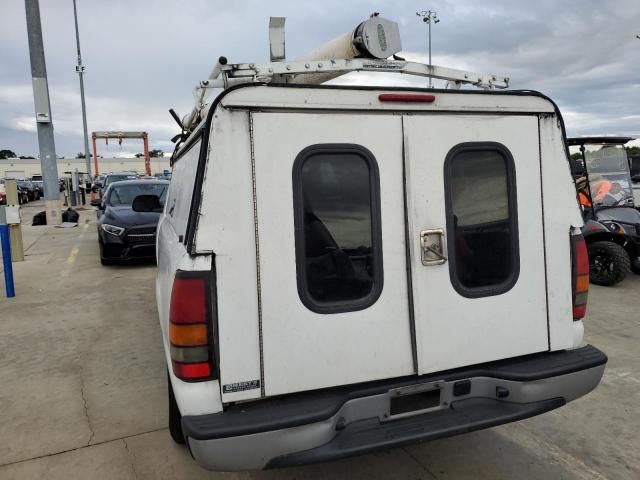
4 154
26 156
633 150
152 154
576 156
80 155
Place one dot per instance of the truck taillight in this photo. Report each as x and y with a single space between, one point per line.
580 266
189 324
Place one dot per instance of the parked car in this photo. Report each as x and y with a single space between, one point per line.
33 193
343 269
116 177
124 234
37 182
23 194
97 183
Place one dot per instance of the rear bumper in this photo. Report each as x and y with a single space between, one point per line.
326 425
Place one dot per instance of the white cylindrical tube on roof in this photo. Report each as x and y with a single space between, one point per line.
340 47
376 37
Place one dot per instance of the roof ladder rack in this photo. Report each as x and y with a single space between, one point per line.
227 75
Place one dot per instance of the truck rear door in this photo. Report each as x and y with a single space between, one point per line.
331 249
476 238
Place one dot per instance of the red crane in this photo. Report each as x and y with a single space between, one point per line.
119 136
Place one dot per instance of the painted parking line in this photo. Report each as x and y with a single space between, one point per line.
74 253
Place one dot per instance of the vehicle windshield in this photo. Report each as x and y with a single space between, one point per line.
609 179
118 178
124 194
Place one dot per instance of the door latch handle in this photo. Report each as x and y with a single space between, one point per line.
431 247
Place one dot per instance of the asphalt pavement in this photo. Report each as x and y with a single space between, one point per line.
83 387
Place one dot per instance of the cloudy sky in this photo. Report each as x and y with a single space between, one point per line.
143 57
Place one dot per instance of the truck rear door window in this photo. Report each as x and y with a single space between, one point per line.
481 219
337 228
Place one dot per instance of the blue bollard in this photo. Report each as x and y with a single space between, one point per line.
6 258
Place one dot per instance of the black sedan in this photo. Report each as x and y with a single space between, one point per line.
32 192
122 233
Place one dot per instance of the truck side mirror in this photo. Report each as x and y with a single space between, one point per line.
147 203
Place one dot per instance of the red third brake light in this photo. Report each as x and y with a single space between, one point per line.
580 259
406 97
189 324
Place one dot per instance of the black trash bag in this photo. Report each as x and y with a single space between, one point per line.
70 216
39 218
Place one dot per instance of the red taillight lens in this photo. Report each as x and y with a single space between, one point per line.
189 324
191 371
188 300
580 276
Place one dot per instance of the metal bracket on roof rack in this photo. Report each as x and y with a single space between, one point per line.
318 71
315 72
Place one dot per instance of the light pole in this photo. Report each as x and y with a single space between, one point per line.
429 17
44 123
80 70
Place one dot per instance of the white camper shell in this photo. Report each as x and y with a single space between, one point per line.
344 269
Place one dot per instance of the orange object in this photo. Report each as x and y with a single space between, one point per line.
582 283
188 335
95 154
584 199
603 188
120 135
147 160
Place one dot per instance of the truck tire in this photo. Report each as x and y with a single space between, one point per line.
609 263
635 265
175 418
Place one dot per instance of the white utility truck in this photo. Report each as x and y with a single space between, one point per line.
343 269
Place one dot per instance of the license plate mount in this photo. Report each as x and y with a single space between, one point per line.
414 399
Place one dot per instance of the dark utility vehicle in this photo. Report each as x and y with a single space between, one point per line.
612 223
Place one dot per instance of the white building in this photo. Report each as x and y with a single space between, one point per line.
26 167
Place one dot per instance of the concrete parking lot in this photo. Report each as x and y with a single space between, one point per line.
83 387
